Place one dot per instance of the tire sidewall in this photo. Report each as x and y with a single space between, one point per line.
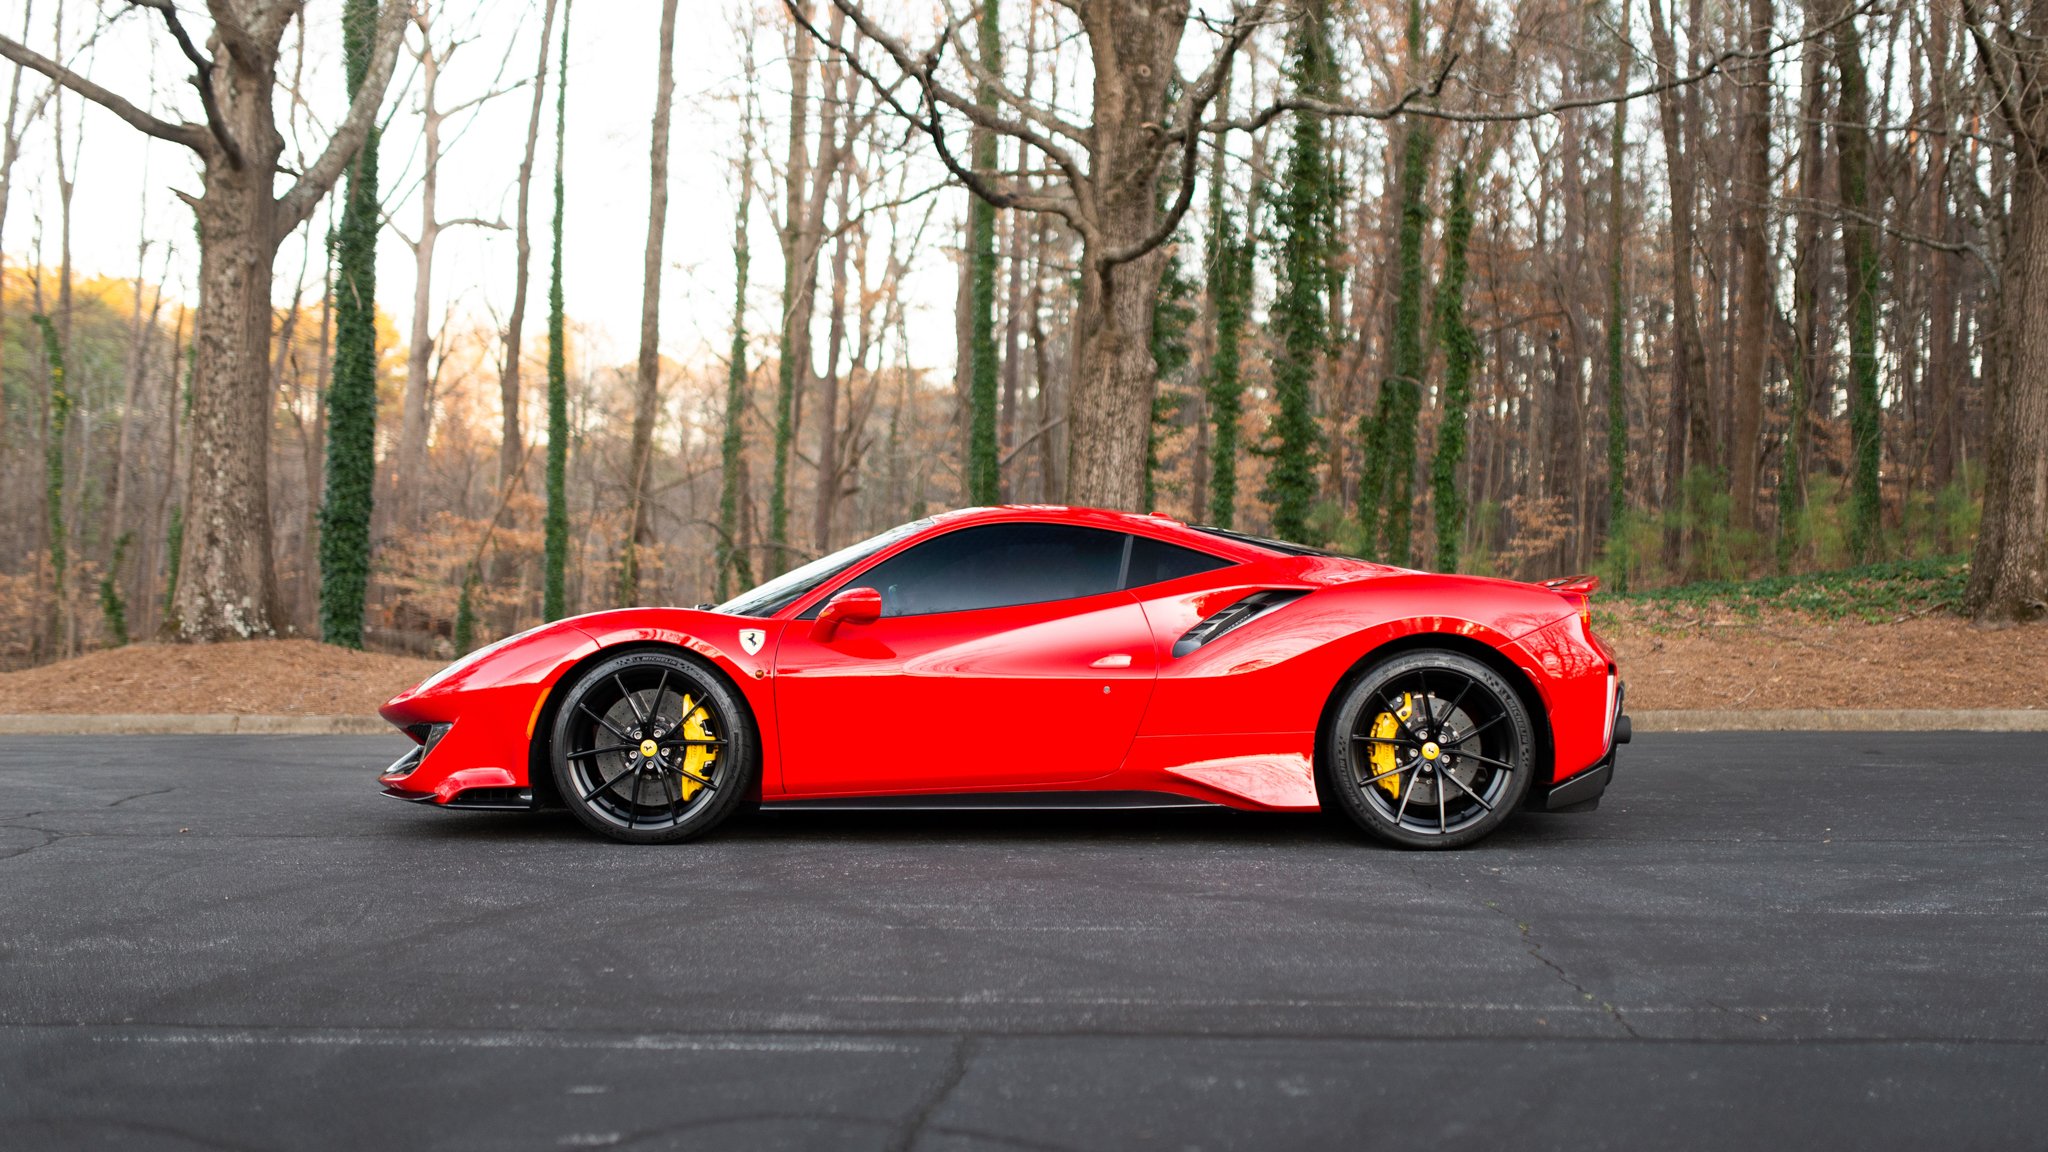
1343 793
733 790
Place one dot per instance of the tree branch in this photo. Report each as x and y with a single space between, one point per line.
296 206
202 78
1068 208
191 136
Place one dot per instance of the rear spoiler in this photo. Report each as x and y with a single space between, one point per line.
1583 585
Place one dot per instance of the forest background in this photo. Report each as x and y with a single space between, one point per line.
320 320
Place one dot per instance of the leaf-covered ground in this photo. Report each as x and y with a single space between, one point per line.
1882 636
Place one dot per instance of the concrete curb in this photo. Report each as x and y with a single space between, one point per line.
1663 720
1841 720
192 724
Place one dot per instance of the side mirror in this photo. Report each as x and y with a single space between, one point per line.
851 606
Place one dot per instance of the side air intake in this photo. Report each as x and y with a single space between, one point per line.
1239 613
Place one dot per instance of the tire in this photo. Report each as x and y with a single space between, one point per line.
1429 749
704 764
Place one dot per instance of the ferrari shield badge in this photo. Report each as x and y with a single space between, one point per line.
751 639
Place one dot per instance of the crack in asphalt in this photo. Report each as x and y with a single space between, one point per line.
956 1071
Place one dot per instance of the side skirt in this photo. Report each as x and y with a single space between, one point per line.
990 802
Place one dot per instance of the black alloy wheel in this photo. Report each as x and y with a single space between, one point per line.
652 747
1430 749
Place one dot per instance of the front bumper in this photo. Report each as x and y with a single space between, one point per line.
1582 792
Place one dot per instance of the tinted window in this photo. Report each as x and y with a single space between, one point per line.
996 565
1153 561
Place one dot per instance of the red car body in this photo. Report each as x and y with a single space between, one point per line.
1071 697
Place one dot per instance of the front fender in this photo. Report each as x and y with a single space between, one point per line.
492 700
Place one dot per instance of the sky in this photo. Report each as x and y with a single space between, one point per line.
612 66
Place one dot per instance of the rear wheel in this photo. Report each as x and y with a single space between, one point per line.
1430 749
652 747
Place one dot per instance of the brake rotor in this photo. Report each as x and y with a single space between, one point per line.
1423 788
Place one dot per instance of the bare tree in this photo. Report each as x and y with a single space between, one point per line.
228 585
2009 573
416 417
647 383
510 449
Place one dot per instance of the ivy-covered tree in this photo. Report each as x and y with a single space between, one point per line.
1385 495
1305 220
732 560
1230 274
1461 356
555 597
984 469
53 468
1860 263
352 395
1170 324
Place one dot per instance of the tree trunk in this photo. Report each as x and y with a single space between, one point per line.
227 586
1133 48
2009 570
1689 355
647 381
828 395
511 446
1860 265
1753 315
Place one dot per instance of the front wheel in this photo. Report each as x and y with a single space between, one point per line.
1430 749
652 747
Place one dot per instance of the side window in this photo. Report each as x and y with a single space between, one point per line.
996 565
1155 561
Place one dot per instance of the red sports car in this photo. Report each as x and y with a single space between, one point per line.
1041 657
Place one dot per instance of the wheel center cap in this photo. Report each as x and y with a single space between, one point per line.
649 749
1430 751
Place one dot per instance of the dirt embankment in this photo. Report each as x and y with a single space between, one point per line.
256 677
1680 658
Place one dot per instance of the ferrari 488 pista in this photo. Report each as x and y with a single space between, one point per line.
1041 657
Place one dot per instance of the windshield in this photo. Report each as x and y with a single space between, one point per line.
793 585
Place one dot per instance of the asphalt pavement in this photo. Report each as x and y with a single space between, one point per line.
1759 941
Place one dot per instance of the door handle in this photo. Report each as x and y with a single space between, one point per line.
1113 660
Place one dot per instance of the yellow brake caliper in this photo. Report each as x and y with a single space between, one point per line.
696 765
1386 726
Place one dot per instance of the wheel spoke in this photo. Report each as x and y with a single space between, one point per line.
1391 772
1443 827
612 728
1462 693
602 751
1467 791
592 794
654 710
639 717
704 782
675 800
680 741
1428 715
633 814
1487 760
1384 740
1394 710
1478 730
1407 794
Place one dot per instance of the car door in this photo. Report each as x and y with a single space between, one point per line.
1007 655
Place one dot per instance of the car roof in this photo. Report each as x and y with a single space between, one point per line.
1154 524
